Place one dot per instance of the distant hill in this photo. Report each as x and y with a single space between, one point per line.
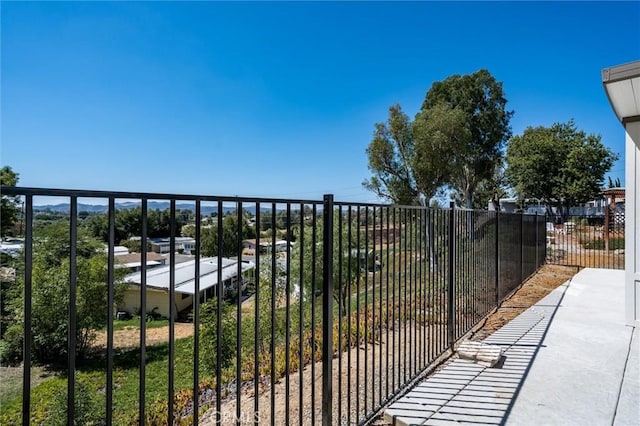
151 205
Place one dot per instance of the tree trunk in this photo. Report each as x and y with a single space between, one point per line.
468 199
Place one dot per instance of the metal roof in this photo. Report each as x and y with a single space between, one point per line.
185 274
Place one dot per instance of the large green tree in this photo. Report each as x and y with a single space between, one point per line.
481 127
457 139
410 161
560 165
9 205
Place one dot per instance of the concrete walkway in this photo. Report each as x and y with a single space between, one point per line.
568 360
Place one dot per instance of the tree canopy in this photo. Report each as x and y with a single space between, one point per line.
559 164
456 139
129 223
9 205
482 125
209 239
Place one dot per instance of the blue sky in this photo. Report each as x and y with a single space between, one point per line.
277 99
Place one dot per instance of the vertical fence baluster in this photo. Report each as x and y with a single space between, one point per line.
521 247
273 313
300 318
359 272
349 315
497 260
219 295
366 304
258 337
287 332
110 301
380 237
421 298
73 284
314 240
239 278
327 311
536 244
387 302
196 318
143 314
172 307
26 348
340 310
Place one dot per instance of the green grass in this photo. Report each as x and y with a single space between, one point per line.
92 376
11 381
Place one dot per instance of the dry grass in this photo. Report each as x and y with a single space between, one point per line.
130 336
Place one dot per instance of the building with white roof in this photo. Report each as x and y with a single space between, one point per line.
159 278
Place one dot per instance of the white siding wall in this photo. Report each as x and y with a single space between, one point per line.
155 298
632 225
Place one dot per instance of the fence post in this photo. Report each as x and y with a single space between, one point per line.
497 258
450 289
327 311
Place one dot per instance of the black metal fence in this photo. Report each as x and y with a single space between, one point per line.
587 241
347 305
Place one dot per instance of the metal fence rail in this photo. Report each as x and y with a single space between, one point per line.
347 304
587 241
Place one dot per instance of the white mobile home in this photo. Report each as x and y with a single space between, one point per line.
158 284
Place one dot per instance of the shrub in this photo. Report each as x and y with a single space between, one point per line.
8 355
599 244
209 335
50 295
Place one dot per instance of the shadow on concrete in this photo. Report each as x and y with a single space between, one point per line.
467 393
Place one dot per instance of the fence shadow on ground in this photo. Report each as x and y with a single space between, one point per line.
465 391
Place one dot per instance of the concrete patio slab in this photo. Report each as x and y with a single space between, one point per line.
628 411
569 359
